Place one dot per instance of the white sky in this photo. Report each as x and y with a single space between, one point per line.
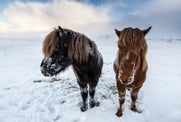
92 19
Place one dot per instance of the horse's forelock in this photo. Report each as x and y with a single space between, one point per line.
50 43
78 45
132 38
134 41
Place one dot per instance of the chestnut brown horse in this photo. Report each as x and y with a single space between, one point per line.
130 65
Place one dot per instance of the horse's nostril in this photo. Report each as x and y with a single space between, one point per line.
44 67
124 81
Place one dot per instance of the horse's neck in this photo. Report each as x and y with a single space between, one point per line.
143 62
143 65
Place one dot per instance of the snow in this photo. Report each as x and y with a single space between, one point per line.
27 96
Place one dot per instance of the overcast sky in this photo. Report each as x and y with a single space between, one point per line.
92 17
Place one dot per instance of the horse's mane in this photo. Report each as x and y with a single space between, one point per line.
50 44
79 46
133 40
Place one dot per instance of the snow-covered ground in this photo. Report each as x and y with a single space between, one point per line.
24 99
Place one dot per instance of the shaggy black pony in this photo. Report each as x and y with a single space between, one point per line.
64 47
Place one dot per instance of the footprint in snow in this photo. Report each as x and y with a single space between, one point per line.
57 118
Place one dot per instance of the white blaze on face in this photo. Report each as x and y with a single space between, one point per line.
131 78
127 55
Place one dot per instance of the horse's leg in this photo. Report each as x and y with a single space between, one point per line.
134 96
84 94
92 89
121 93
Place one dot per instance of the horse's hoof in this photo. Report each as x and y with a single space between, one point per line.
119 114
84 108
135 110
93 104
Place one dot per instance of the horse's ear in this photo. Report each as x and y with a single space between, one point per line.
118 33
61 30
146 30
